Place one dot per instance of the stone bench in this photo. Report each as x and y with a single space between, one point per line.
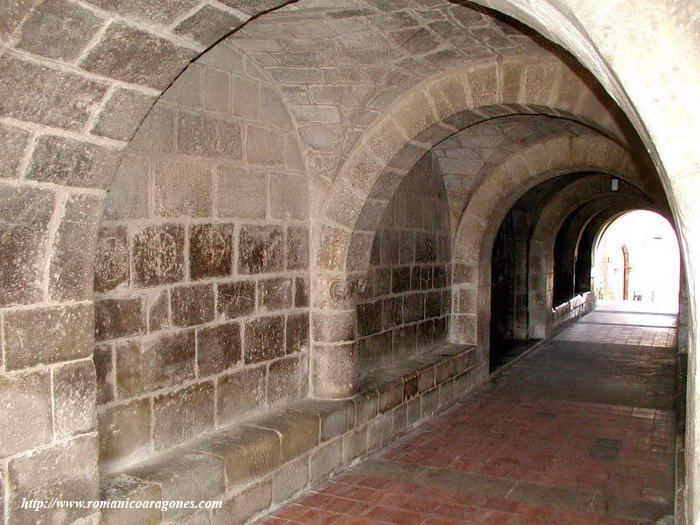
263 462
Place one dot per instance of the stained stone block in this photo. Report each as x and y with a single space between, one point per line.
218 348
145 10
111 258
331 327
182 415
24 220
299 431
125 431
235 299
289 196
297 332
211 246
160 61
209 137
246 97
301 292
336 417
48 335
163 361
275 294
27 404
240 393
119 317
183 475
413 307
236 510
157 253
242 193
158 308
264 339
208 25
66 471
61 160
182 189
369 318
261 249
71 271
284 380
401 279
192 305
297 248
74 390
37 93
355 444
13 142
104 370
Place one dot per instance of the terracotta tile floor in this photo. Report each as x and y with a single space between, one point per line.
535 447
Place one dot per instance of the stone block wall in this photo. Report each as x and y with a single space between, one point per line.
201 277
406 305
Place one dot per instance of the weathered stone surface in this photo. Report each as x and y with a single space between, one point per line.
236 510
264 146
354 444
330 327
182 189
297 332
165 360
289 196
104 371
158 255
369 318
246 97
203 136
301 292
248 452
264 339
111 258
208 25
297 248
182 415
122 114
240 393
211 247
183 475
235 299
160 59
122 488
158 309
128 196
24 220
13 142
37 93
47 335
218 348
59 30
119 317
74 390
67 161
192 305
242 193
325 460
71 273
66 471
146 11
156 134
275 294
299 431
261 249
284 380
125 431
290 479
27 404
334 370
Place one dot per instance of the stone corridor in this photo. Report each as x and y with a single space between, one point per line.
579 431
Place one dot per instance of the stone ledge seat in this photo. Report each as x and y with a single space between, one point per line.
260 463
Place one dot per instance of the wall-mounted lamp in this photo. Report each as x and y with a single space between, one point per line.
614 184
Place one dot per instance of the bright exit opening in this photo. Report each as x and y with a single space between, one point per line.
637 259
